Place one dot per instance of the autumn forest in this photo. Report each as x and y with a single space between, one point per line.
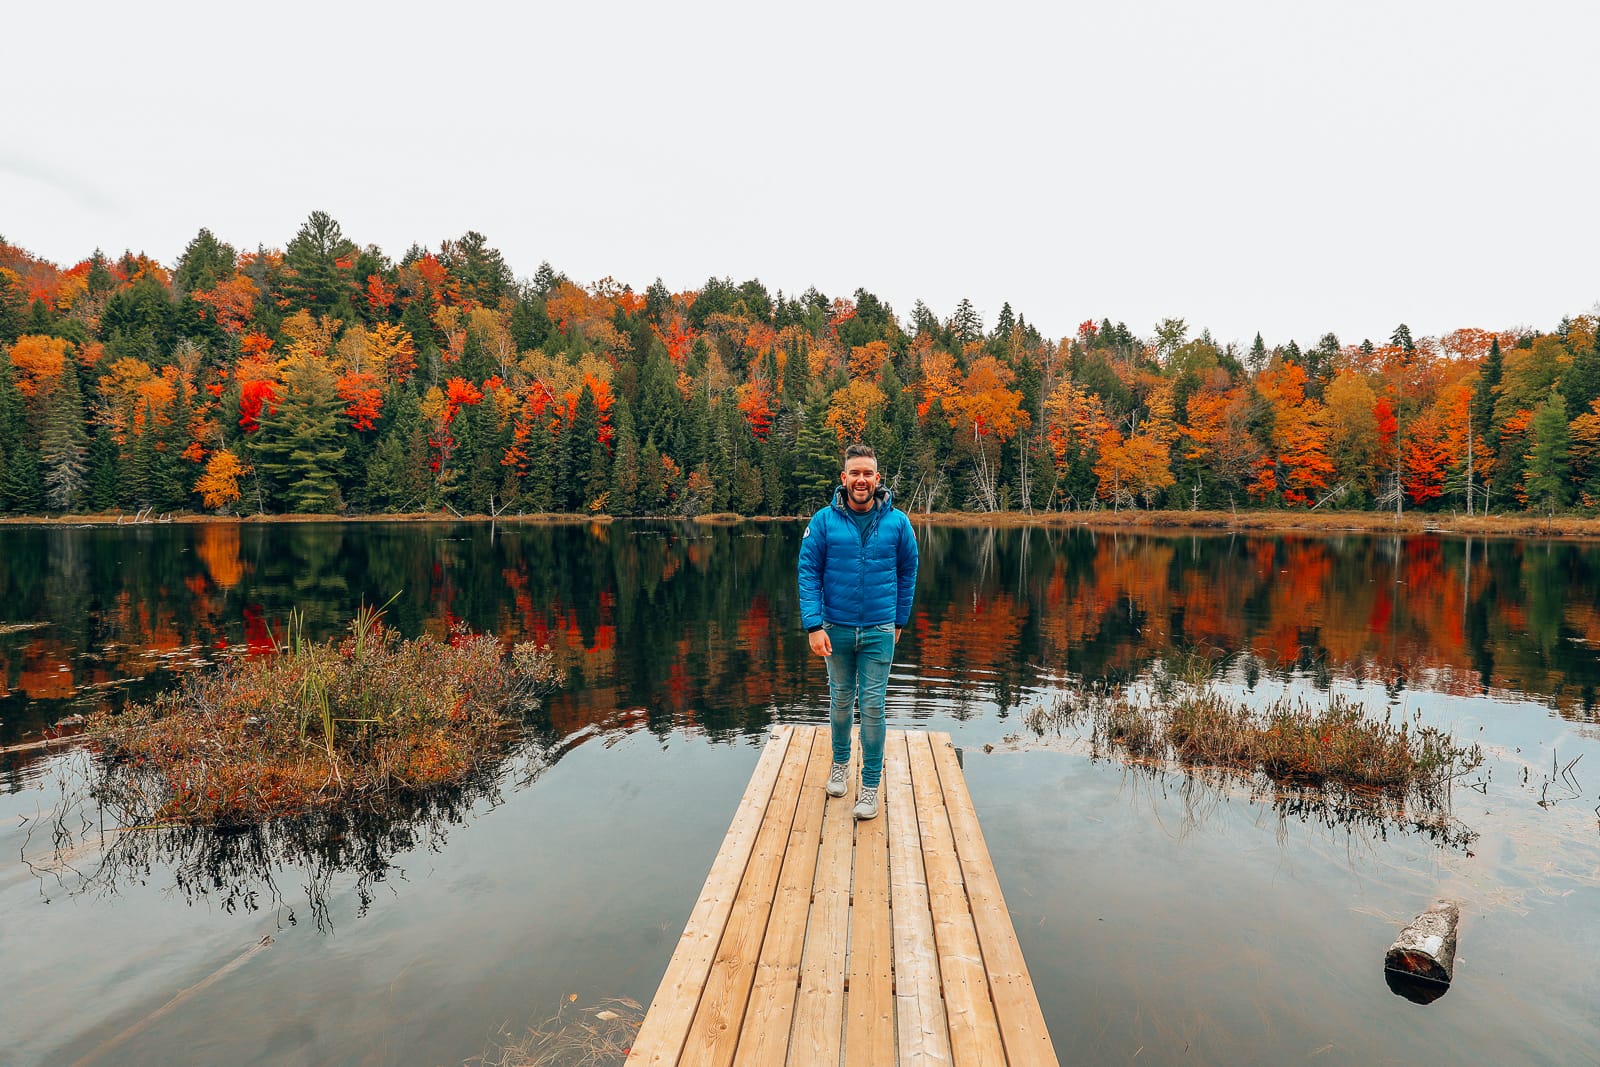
328 378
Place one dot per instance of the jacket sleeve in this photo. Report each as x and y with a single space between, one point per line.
906 572
812 554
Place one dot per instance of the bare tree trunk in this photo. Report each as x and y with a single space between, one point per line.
983 476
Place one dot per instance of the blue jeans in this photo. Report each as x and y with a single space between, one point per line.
859 670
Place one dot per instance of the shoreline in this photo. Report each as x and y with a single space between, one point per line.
1569 527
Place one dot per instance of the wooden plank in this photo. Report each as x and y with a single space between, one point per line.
869 1002
920 1028
666 1024
818 1032
714 1033
765 1039
1016 1003
974 1038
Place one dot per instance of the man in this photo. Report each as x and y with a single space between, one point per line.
858 570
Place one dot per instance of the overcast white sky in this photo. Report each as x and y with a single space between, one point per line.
1276 166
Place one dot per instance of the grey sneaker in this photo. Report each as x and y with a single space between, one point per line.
836 779
867 803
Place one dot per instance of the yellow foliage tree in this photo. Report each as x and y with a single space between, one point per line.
309 339
219 485
852 406
390 351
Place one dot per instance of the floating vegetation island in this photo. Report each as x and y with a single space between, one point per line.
1334 757
362 724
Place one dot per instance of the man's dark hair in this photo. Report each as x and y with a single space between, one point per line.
859 451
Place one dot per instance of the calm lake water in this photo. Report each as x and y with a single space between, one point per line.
1164 919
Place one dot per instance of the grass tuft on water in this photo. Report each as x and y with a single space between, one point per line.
1291 743
356 724
1303 744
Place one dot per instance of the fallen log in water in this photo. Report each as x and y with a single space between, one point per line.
1426 950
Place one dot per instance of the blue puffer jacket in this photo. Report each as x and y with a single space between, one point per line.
853 579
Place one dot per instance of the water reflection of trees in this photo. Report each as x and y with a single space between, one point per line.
254 868
698 625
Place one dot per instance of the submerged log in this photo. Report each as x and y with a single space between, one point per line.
1426 949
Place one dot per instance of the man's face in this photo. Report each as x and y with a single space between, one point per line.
860 482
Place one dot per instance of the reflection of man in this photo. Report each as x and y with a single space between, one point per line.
858 570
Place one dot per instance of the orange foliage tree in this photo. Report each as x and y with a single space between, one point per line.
1299 465
219 485
362 398
39 361
232 302
987 404
755 403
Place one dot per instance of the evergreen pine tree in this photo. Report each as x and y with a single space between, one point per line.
563 488
724 452
651 500
468 494
101 494
13 309
794 371
1546 477
480 269
816 460
965 324
381 489
296 448
310 263
477 362
1257 359
899 428
1581 383
1005 323
624 461
11 423
1483 396
591 466
205 262
133 484
660 405
63 444
395 479
538 485
692 443
777 455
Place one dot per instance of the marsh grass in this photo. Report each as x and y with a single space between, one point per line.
359 724
1290 744
598 1036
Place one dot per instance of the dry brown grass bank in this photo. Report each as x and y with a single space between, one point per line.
1514 525
1319 522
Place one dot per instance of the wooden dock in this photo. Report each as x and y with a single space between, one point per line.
819 940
